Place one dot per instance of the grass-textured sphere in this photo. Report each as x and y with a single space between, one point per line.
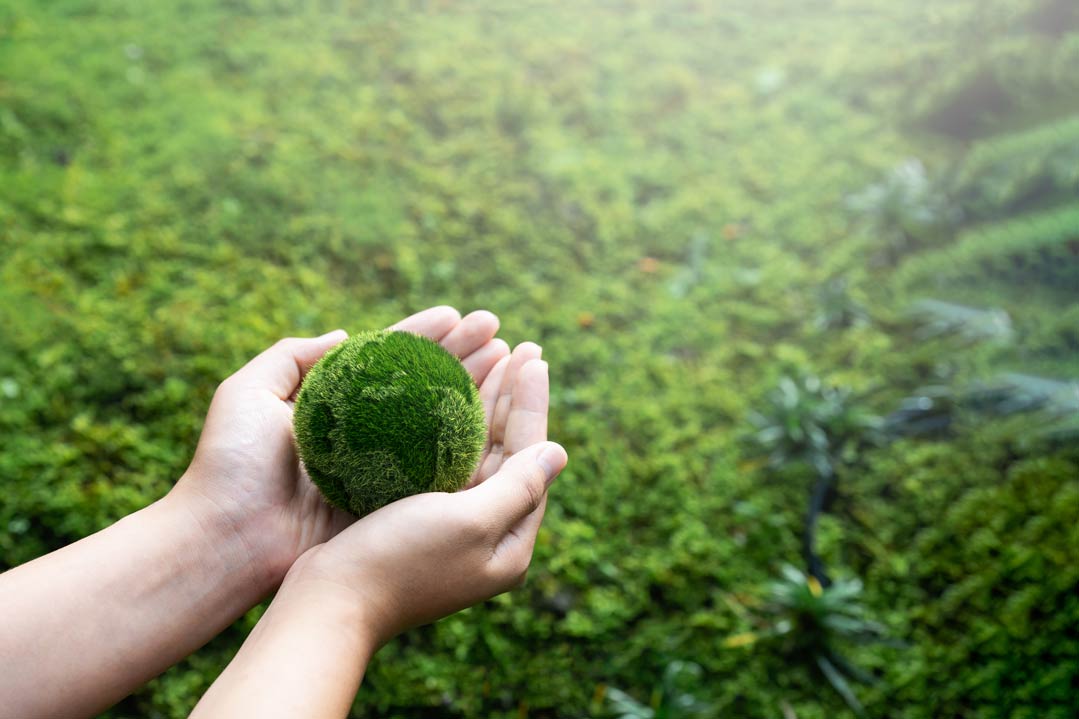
385 415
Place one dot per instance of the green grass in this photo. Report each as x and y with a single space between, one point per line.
656 193
385 415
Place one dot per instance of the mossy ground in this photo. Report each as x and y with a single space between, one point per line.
385 415
655 192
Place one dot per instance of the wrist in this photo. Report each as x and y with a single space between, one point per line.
348 611
224 534
313 580
306 656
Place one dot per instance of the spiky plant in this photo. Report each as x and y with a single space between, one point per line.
385 415
904 210
1050 408
811 623
837 308
672 698
971 325
930 411
806 420
819 425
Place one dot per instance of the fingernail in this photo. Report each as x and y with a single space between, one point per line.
330 334
552 458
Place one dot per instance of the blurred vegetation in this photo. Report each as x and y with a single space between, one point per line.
684 203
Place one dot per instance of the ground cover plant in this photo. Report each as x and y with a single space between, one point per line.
684 203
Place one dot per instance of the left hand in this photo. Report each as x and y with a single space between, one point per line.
246 469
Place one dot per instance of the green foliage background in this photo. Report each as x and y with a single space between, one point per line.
655 192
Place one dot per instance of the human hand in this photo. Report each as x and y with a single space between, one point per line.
246 471
429 555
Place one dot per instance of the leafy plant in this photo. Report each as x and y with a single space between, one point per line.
812 622
1051 407
934 410
904 210
812 423
837 308
672 698
806 420
930 411
1013 392
936 318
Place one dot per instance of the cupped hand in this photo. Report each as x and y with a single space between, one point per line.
429 555
246 469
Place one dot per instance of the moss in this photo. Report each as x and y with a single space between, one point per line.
255 168
385 415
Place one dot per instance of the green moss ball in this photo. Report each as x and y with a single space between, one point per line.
385 415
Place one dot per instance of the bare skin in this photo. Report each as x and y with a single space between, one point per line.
96 619
343 599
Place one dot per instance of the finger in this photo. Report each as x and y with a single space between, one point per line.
495 450
521 354
519 488
526 418
281 368
488 396
490 388
528 526
433 323
480 362
526 423
471 333
520 539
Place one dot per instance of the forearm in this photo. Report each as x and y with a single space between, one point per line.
87 624
306 657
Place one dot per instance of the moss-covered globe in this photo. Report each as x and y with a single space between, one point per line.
385 415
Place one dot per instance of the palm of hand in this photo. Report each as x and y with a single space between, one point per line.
246 467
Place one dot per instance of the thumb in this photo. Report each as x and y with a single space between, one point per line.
281 368
520 485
